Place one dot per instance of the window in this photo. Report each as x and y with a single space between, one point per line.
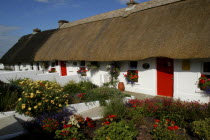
206 67
133 65
82 64
52 64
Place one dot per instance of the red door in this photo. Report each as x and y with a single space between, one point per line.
165 75
63 68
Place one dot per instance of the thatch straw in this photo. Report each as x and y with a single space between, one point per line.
179 30
25 49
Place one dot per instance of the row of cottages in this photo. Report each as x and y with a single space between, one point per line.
165 43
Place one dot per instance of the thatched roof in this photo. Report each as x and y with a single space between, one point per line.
179 30
25 49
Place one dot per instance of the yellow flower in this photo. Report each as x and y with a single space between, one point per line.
66 102
46 100
52 101
60 105
37 91
29 108
23 106
35 107
19 99
56 97
39 104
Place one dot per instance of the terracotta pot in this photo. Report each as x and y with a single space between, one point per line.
121 86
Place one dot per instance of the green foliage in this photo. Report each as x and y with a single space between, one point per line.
117 131
101 94
69 133
114 72
136 115
116 106
40 96
9 95
201 128
74 88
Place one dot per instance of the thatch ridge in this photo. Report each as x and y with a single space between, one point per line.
25 49
179 30
121 12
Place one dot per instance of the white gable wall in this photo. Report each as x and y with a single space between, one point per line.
186 82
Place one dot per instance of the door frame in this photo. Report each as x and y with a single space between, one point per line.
171 73
61 65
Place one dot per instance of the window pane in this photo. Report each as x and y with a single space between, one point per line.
82 63
206 67
133 64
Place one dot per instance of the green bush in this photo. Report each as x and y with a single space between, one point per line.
116 106
74 88
121 130
40 96
101 94
9 95
201 128
136 115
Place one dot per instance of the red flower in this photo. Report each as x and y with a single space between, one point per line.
155 125
202 81
107 122
202 75
157 120
167 120
91 125
112 116
172 122
176 127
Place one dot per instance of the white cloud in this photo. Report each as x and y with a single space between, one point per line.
7 38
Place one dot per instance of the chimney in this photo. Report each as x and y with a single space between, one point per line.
61 22
131 3
36 31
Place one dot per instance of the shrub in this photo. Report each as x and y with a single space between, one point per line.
201 128
121 130
74 88
116 106
101 94
166 130
136 115
9 95
40 96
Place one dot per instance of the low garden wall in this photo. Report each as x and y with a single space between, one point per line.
38 75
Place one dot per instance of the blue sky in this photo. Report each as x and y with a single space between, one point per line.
20 17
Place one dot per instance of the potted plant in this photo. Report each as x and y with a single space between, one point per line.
82 71
52 70
204 83
131 76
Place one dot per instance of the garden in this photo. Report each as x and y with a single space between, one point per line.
156 118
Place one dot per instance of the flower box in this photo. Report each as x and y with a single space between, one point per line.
132 76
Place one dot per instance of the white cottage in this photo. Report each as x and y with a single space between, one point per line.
165 43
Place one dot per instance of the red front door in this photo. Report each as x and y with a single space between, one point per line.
63 68
165 75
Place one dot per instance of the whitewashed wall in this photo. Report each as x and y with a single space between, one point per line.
185 82
1 66
38 75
